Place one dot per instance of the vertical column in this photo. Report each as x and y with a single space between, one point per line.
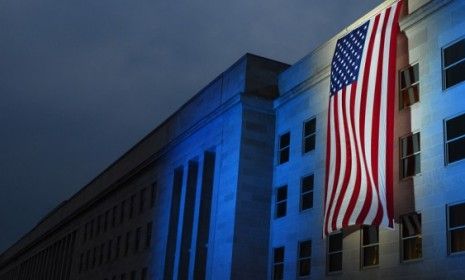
173 223
203 230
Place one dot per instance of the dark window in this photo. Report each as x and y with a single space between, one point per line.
133 275
455 139
409 86
278 263
370 246
281 202
410 236
309 136
109 250
131 205
456 228
334 259
137 239
148 236
143 275
142 200
153 195
91 234
113 216
81 262
84 238
102 248
306 193
123 276
87 259
454 64
121 211
410 155
99 222
126 246
305 257
94 257
105 223
284 147
118 243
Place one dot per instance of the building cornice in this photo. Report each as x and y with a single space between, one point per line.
422 13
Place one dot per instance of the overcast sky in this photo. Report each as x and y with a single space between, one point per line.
81 81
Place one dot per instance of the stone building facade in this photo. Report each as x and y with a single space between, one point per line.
231 186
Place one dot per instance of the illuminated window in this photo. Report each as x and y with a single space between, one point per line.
409 86
411 240
455 139
306 192
284 147
456 228
454 64
281 202
334 259
309 135
305 257
278 263
370 246
410 155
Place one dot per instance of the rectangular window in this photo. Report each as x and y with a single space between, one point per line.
113 216
370 246
455 139
86 226
109 250
153 194
81 262
409 86
128 239
278 263
148 236
281 202
305 257
410 236
133 275
105 223
306 192
87 259
284 147
142 200
91 234
410 155
456 228
309 135
102 248
143 275
131 205
137 239
121 211
334 258
94 257
453 64
118 243
99 222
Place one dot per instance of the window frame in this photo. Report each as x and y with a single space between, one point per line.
449 230
283 201
402 238
302 193
400 88
446 141
304 137
275 264
300 258
443 68
281 149
329 253
363 247
402 158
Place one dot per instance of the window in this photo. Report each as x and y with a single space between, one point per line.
278 263
306 192
118 242
153 195
334 259
370 246
123 276
410 236
102 247
142 200
109 250
137 239
309 136
91 234
105 223
456 228
84 239
148 237
126 247
453 64
305 255
121 212
113 216
94 257
409 86
410 155
143 275
133 275
81 262
131 205
99 221
284 147
455 139
281 202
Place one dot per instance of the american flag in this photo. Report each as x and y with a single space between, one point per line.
359 148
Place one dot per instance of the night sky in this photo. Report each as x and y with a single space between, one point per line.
81 81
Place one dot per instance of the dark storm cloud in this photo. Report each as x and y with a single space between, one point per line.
82 81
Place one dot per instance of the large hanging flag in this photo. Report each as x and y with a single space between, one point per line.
359 148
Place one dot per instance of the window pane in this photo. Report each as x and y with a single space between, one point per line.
307 183
305 249
278 272
455 127
409 76
410 144
457 240
454 53
370 235
370 256
284 140
455 74
284 155
411 225
412 248
310 127
410 96
335 262
278 255
309 143
457 215
304 267
281 209
411 166
282 193
335 242
456 150
307 201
